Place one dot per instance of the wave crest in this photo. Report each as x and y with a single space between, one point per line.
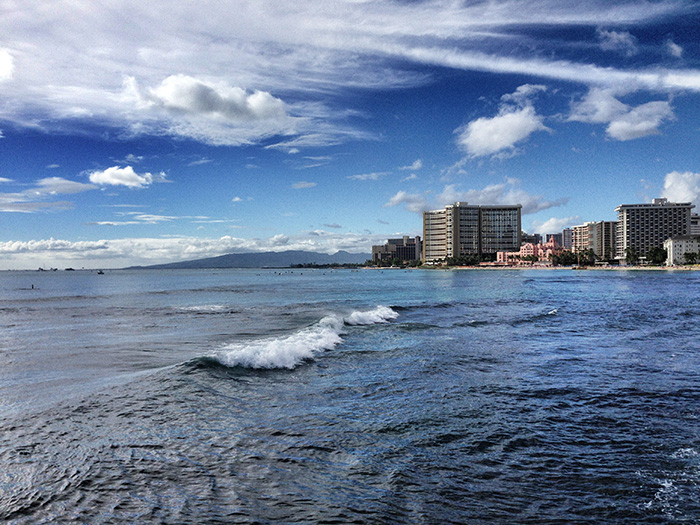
292 350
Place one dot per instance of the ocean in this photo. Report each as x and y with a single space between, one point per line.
339 396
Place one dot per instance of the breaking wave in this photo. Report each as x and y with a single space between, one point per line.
292 350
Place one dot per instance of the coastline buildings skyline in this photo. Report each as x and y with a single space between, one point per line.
493 233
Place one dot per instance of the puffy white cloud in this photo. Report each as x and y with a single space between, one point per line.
182 93
486 136
619 41
597 107
279 240
515 122
554 225
682 187
640 121
116 176
601 106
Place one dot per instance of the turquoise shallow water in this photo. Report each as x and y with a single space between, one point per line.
317 396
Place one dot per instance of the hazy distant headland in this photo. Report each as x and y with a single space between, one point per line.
264 259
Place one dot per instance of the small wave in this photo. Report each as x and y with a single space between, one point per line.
205 308
381 314
292 350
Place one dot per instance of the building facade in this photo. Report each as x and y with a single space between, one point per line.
530 253
641 227
404 249
694 224
558 238
462 229
566 238
597 236
677 247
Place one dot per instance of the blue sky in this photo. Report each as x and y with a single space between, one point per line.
144 132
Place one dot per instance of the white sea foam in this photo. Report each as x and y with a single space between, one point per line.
205 308
381 314
292 350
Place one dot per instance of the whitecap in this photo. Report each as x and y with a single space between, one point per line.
291 350
381 314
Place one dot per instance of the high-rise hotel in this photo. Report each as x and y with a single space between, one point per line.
645 226
464 229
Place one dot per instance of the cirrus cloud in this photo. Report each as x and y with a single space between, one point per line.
39 196
302 184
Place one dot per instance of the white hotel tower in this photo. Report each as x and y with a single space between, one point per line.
646 226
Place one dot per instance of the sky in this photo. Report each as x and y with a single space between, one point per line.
135 133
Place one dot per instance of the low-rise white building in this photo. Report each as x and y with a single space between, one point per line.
677 247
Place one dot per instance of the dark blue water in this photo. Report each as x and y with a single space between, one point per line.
307 396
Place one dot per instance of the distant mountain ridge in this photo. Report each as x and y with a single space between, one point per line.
264 260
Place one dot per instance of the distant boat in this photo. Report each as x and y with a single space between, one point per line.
100 272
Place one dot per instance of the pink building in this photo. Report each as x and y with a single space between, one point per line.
538 252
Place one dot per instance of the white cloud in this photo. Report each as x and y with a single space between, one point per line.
640 121
486 136
618 41
236 199
240 72
39 197
413 202
7 65
303 184
508 193
682 187
674 49
597 107
2 179
182 93
554 225
601 106
279 240
515 122
116 176
417 164
369 176
412 176
59 186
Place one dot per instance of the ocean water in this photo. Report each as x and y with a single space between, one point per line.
319 396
